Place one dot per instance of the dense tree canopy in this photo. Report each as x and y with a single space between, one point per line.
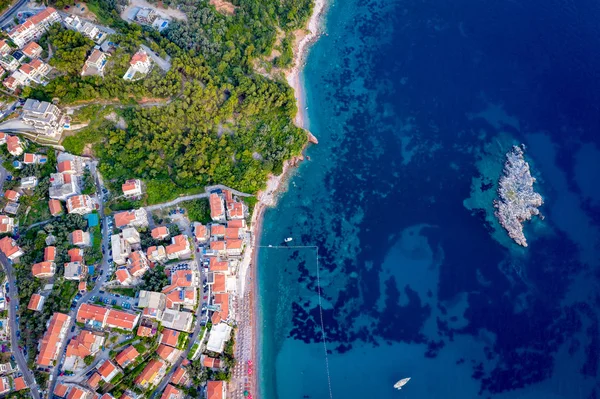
70 49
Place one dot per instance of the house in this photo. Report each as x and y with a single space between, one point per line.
77 392
14 146
124 277
217 209
32 50
75 271
146 16
63 186
82 287
29 158
153 303
186 297
182 278
4 47
217 265
169 337
221 301
33 27
218 247
215 390
121 320
160 233
46 118
7 224
152 373
138 264
28 182
20 384
61 390
9 248
4 385
36 302
200 233
80 238
80 204
12 195
156 254
131 235
218 336
234 247
75 254
211 362
168 353
11 208
236 210
179 248
217 231
132 218
94 381
144 331
49 254
132 188
87 343
177 320
108 370
43 269
218 282
95 63
120 249
171 392
181 377
140 64
55 207
18 78
127 356
8 62
51 342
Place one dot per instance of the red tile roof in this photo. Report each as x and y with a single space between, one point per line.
216 206
223 300
180 243
34 302
123 275
89 312
129 185
11 195
140 56
76 254
164 351
144 331
160 232
150 372
20 383
200 231
42 269
217 265
8 246
179 376
77 237
171 392
217 245
211 362
50 254
169 337
232 233
126 356
94 380
28 157
61 390
234 244
31 49
124 218
106 369
82 345
219 283
55 207
65 166
214 390
239 223
217 230
76 393
51 340
120 319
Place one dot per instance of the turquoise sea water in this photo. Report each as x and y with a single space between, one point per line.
415 103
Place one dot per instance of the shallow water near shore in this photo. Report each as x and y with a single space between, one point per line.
415 104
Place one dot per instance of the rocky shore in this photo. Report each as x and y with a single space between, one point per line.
518 201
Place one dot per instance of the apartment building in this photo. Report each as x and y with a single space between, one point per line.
51 342
44 117
33 27
132 218
80 204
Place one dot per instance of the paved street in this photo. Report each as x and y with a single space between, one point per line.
99 282
205 194
13 295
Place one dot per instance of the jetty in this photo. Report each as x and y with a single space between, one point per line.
517 200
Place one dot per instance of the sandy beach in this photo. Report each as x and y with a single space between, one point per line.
268 197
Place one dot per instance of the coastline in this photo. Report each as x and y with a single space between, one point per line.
268 197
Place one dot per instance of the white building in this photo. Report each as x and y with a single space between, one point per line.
218 336
176 320
46 118
80 204
95 64
132 218
140 64
132 188
63 186
120 249
29 182
34 27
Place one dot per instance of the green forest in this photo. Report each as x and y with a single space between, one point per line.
217 122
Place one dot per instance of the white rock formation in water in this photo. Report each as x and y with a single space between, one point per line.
517 201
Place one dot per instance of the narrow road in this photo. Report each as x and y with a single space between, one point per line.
13 295
99 282
192 197
197 328
11 11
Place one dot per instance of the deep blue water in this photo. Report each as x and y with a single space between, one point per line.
415 103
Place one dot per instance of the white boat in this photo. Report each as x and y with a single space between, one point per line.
288 239
401 383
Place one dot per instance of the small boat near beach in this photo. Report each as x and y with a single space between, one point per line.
401 383
289 239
